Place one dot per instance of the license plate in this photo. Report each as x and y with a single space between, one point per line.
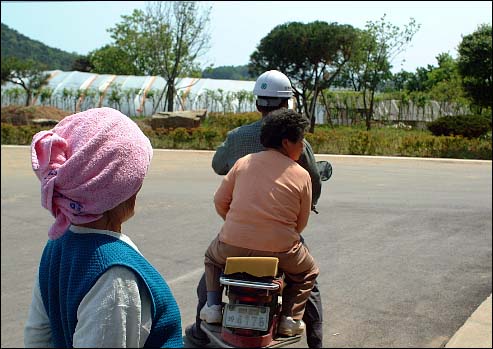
246 316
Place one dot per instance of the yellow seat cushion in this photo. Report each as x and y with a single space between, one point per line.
256 266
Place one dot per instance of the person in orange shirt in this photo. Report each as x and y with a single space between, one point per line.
265 217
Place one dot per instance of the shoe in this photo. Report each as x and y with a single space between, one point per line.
212 314
290 327
193 336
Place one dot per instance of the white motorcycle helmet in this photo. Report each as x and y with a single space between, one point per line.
271 88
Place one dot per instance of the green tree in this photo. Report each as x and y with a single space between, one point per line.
399 81
151 94
13 94
67 96
45 95
228 73
475 61
444 82
89 96
111 59
78 96
311 55
165 40
115 96
82 64
447 69
419 80
129 95
379 44
28 74
243 97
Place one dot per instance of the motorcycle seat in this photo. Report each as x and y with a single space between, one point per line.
256 266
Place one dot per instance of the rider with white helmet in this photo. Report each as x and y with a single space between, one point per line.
272 88
273 91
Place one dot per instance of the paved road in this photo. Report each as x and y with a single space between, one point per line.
404 246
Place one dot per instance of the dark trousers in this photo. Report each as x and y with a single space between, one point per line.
312 316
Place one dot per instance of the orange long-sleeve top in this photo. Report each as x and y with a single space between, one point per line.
265 201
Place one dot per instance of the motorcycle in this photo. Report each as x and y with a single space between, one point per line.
253 286
251 316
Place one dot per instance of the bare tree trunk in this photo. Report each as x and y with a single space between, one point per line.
372 104
327 111
311 117
312 109
156 105
28 98
170 93
298 104
366 111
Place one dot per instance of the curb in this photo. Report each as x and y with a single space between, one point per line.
476 331
478 161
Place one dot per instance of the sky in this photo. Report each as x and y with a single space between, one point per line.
236 27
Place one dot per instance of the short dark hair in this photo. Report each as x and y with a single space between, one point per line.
268 109
280 124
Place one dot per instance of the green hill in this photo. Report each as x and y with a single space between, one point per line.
17 45
14 44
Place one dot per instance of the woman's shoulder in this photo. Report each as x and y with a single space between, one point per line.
300 170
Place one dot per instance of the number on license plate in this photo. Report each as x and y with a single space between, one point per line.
246 316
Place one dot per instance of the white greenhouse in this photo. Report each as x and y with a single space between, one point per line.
76 91
134 95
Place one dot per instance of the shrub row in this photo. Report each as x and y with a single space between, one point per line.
201 138
386 142
470 126
20 135
338 140
231 121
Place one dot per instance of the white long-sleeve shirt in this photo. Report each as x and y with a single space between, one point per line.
115 313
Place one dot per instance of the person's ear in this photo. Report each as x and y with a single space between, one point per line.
285 143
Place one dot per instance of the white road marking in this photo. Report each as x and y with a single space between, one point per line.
193 274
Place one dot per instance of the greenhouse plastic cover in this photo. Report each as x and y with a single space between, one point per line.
192 92
143 95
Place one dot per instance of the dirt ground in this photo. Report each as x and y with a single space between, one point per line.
18 115
21 115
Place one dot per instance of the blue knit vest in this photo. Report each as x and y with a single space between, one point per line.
72 264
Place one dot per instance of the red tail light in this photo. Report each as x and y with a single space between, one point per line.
247 299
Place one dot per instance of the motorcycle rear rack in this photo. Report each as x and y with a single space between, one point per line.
253 284
213 332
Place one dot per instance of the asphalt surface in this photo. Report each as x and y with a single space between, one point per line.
404 245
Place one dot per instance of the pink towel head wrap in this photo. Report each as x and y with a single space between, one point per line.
89 163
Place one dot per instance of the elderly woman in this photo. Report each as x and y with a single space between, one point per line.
265 201
94 288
